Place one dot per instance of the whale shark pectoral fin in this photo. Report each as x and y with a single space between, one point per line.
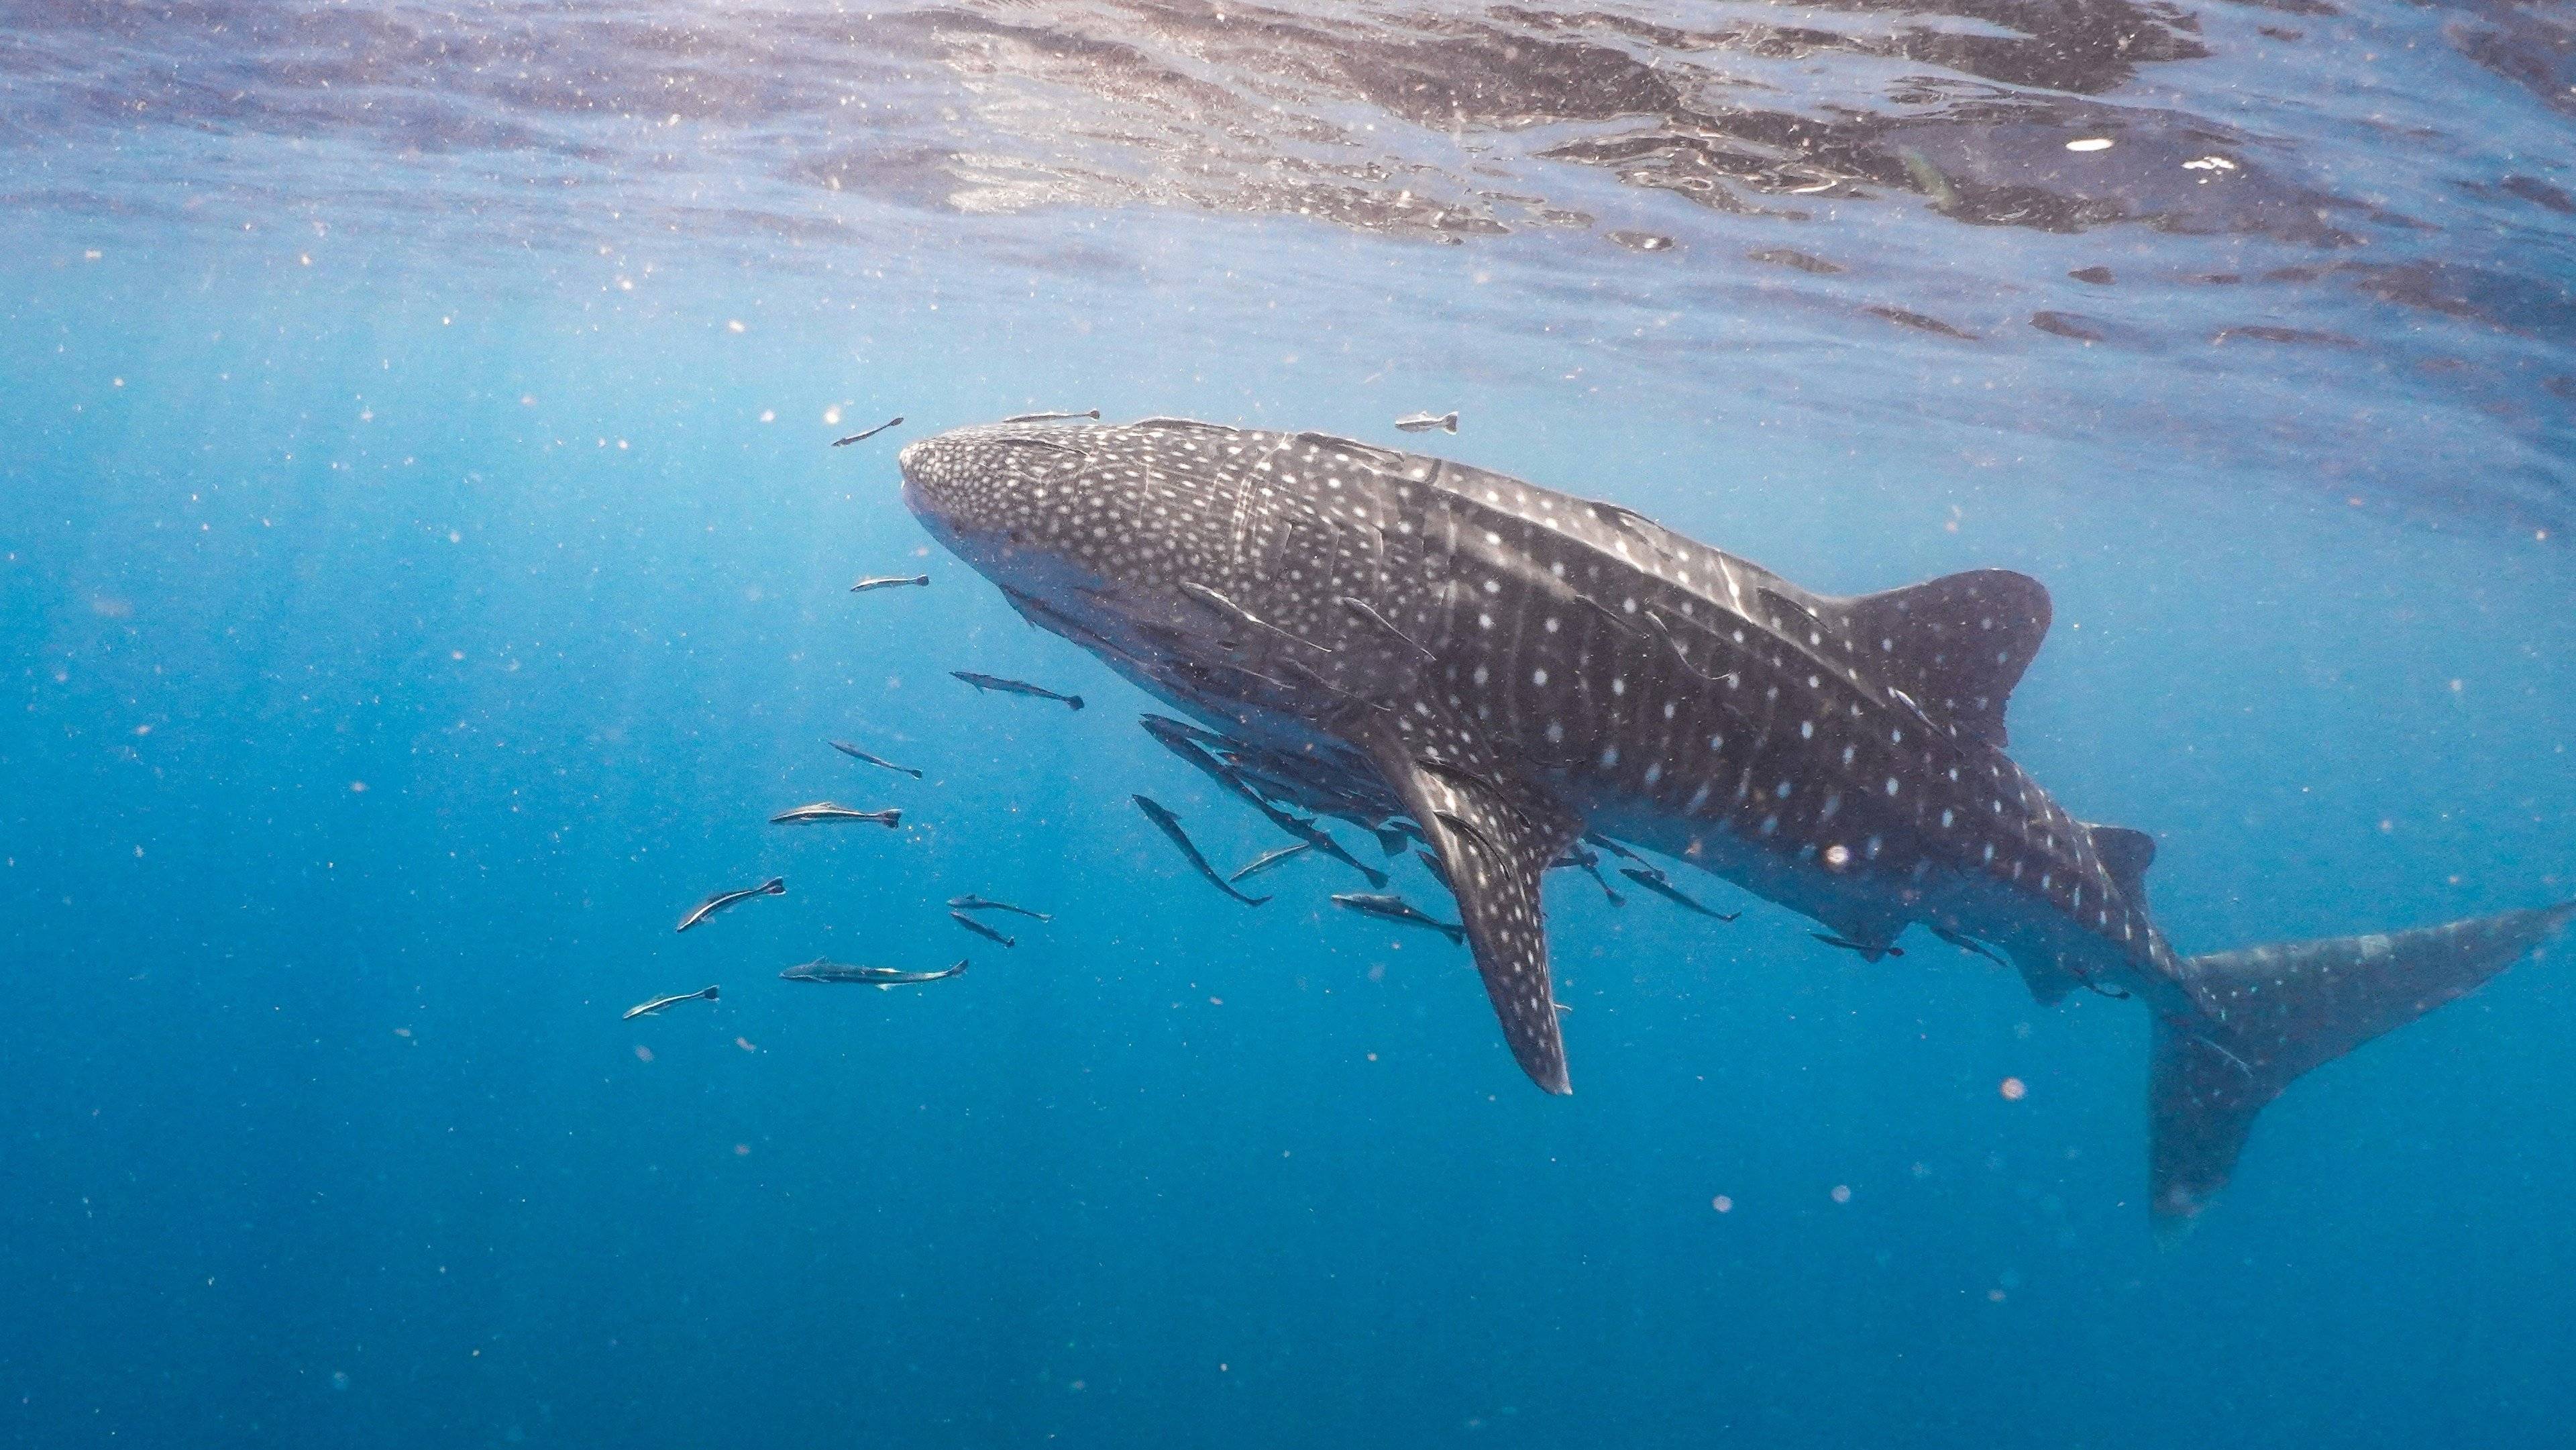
1494 838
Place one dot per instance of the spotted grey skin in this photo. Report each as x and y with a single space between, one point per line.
1515 666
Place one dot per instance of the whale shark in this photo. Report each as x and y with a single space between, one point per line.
1498 668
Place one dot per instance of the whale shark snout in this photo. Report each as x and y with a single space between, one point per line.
1022 482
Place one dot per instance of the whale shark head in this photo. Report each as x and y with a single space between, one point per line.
992 494
1118 536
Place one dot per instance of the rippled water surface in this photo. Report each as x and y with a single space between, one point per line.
425 570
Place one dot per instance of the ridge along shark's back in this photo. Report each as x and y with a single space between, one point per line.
1506 664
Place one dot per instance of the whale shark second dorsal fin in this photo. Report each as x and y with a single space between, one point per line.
1494 836
1956 645
2126 854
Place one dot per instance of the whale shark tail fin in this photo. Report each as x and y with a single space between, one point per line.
2270 1013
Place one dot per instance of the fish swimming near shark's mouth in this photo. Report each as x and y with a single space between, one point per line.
1509 667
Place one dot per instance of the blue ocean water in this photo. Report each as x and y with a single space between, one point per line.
423 571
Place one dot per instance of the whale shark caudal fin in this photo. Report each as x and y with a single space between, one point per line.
1494 837
2277 1011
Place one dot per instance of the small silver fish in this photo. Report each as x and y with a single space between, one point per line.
1268 859
661 1004
1170 825
972 902
980 929
890 581
855 753
1016 687
1425 422
1653 879
824 970
894 421
1091 413
1399 910
774 886
826 811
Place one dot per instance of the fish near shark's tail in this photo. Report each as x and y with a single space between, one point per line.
2270 1013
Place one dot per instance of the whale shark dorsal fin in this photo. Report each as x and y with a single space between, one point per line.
1957 644
2126 854
1494 836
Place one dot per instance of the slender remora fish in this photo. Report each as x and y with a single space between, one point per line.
1866 951
1171 826
1589 862
1425 422
1015 687
1268 859
822 970
1516 666
855 753
1175 737
862 437
1662 885
890 581
980 929
1397 909
826 811
774 886
1050 417
971 902
664 1004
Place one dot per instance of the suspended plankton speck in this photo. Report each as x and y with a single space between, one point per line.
734 324
1841 1193
769 415
2013 1089
2089 143
1722 1204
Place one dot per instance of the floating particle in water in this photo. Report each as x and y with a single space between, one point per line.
2013 1089
1722 1204
1841 1193
742 1150
745 1044
1994 1296
339 1379
643 1053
